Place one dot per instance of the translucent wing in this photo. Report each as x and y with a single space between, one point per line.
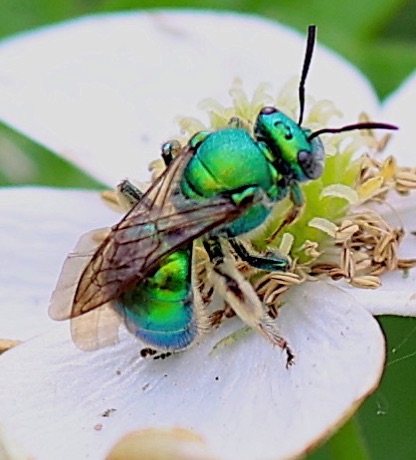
159 223
99 327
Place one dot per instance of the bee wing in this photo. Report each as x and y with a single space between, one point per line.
161 222
62 297
96 329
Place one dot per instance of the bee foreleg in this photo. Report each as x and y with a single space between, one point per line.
262 263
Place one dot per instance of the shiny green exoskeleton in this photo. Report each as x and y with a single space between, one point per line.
151 304
218 187
277 157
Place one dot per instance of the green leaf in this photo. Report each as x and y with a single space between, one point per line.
387 64
24 162
361 20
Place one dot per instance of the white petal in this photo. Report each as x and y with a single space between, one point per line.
240 397
396 296
8 450
38 229
104 90
400 109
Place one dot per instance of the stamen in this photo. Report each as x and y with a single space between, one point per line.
366 282
341 191
324 225
7 344
286 244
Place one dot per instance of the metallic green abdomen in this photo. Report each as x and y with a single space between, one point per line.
228 160
159 310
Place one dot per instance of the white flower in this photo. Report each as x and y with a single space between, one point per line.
104 92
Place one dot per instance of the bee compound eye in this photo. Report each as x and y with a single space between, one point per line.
311 165
268 110
303 157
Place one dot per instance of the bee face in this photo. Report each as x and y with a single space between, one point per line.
291 152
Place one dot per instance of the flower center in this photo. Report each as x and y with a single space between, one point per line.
339 233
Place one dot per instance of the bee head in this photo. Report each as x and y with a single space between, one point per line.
288 146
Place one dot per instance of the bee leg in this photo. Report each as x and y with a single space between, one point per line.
262 263
124 197
163 355
242 298
170 150
129 192
132 194
296 198
147 352
152 353
214 250
216 317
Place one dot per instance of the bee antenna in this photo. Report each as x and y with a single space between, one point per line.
366 125
310 43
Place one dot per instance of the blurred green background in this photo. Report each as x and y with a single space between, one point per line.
379 36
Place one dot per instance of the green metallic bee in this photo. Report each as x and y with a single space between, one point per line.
221 185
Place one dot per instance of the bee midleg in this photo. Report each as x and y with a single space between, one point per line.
129 192
257 261
296 197
240 295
